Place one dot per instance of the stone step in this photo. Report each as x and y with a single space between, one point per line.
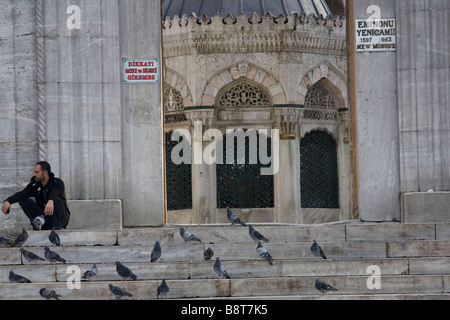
44 272
224 233
237 288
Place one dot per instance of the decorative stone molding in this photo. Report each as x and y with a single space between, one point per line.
40 79
246 71
287 120
205 114
187 36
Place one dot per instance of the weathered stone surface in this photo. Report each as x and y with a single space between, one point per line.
425 207
390 231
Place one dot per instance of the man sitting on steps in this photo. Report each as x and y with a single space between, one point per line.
50 208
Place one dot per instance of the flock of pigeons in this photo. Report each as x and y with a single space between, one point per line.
126 274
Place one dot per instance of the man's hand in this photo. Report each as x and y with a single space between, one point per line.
49 208
6 207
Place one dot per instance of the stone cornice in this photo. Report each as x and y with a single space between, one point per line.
193 35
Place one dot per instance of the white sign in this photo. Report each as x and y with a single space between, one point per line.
376 35
141 71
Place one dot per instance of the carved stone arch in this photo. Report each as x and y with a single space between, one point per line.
330 77
243 93
178 82
246 71
320 128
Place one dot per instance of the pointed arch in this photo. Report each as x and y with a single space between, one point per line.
329 77
248 71
177 82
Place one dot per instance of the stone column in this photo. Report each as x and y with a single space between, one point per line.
142 123
203 174
287 185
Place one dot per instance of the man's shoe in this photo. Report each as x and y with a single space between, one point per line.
38 222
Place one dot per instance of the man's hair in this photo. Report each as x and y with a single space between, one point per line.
45 166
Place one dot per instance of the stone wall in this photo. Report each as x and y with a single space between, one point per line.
63 100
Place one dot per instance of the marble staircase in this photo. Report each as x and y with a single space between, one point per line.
365 261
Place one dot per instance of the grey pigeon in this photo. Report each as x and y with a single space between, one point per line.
89 274
16 278
21 238
119 292
208 254
234 219
255 235
187 236
162 290
49 294
53 256
323 287
54 238
317 251
220 269
30 256
263 253
124 272
156 252
4 241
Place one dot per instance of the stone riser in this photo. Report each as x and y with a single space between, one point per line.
263 287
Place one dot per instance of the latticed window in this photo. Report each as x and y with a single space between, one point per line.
242 185
173 105
244 94
319 97
319 171
178 180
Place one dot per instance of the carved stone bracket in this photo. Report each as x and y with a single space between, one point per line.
287 120
203 114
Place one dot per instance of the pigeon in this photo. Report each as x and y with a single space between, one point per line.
220 269
119 292
162 290
263 253
317 250
4 241
187 236
30 256
234 219
49 294
54 238
21 239
124 272
89 274
52 256
16 278
255 235
156 252
208 254
323 287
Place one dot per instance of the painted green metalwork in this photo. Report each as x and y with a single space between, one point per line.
319 171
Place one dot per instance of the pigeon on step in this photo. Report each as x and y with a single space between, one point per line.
187 236
220 269
324 287
156 252
208 254
119 292
263 253
162 290
317 251
30 256
49 294
54 238
17 278
124 272
234 219
255 235
89 274
21 239
53 256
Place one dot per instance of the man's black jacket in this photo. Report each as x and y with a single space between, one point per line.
53 190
